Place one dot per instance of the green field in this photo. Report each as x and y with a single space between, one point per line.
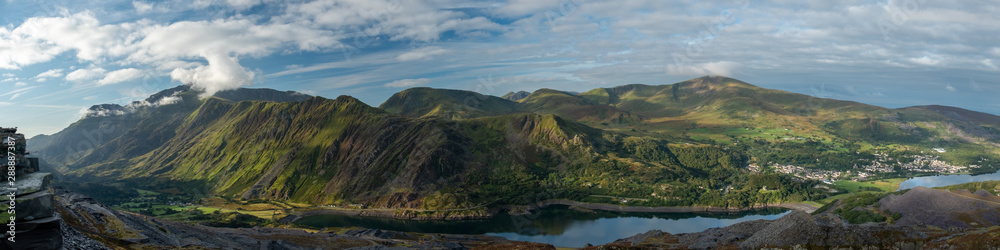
859 187
159 211
886 185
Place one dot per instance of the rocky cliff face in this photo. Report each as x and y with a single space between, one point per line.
29 218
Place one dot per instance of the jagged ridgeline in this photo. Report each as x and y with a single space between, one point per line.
324 151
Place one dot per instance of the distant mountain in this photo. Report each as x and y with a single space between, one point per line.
692 142
722 110
515 96
146 124
446 103
341 151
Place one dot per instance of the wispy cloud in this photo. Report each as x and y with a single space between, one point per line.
120 75
85 74
421 54
408 83
52 73
362 48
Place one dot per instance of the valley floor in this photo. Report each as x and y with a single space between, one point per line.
481 213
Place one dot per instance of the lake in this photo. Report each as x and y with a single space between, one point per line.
946 180
557 225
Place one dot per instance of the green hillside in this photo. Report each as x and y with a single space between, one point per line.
725 111
706 141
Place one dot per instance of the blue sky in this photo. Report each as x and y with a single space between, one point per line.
58 58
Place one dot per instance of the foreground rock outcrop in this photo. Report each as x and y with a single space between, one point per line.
930 219
956 210
115 229
796 228
28 218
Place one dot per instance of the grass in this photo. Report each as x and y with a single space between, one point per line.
263 214
146 192
834 198
886 185
854 187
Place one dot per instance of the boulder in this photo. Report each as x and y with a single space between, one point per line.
35 234
33 206
30 183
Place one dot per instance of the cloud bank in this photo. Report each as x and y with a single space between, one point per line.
206 53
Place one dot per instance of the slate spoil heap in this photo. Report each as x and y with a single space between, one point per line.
35 224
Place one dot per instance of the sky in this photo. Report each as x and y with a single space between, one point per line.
59 57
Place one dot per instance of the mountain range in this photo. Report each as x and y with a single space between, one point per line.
679 144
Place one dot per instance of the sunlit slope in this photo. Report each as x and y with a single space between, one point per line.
330 151
722 110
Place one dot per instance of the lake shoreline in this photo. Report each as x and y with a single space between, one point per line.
453 215
630 209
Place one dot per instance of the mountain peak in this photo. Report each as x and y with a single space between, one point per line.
720 81
516 96
423 101
177 94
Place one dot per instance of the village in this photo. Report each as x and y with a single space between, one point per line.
882 164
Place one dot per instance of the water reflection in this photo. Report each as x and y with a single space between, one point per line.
557 225
607 227
946 180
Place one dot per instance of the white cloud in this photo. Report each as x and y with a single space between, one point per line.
85 74
179 46
100 111
779 38
950 88
925 61
424 53
172 99
8 75
408 83
142 7
53 73
243 4
515 8
399 20
121 75
40 39
19 84
18 92
221 73
988 63
720 68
